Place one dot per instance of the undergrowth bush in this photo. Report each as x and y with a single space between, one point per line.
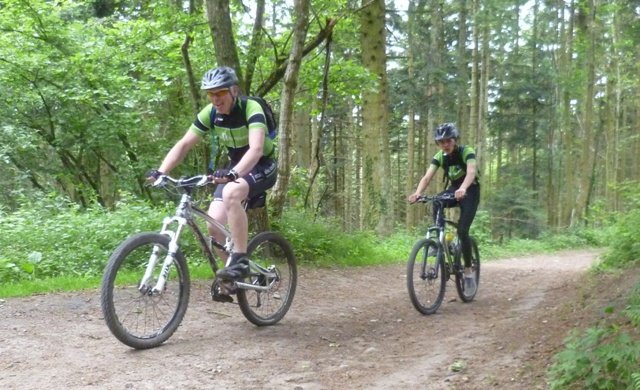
606 356
624 245
323 243
53 237
602 357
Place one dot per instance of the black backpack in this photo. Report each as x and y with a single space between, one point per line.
269 116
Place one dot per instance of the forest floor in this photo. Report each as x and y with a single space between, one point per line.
352 328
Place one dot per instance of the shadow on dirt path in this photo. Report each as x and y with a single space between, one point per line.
348 328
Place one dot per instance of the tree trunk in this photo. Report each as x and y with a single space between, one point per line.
585 178
286 106
255 46
220 25
377 205
462 97
411 177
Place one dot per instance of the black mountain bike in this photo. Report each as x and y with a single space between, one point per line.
435 258
146 285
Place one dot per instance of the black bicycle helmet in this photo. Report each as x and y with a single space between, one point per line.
221 77
446 131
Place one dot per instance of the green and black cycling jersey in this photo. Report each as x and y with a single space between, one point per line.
232 130
455 164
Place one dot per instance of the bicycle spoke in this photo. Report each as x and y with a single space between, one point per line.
425 277
142 319
272 255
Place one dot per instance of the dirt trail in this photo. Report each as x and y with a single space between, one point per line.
347 328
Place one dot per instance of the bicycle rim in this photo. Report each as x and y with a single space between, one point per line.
273 252
135 315
425 277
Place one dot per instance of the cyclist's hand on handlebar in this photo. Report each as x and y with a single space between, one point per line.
460 193
413 198
221 176
153 175
220 173
217 179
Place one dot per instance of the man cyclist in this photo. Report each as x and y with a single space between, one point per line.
252 168
459 163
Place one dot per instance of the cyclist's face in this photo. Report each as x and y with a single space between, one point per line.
447 145
222 99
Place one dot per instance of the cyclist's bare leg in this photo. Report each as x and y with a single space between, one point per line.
233 194
218 212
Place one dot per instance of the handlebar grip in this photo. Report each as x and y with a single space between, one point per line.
159 182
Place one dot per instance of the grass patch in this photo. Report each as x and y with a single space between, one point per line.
58 284
49 285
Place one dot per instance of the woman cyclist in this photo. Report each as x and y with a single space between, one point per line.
459 164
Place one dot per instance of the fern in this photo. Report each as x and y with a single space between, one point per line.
635 380
603 357
632 311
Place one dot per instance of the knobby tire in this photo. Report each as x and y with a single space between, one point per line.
426 278
268 307
138 319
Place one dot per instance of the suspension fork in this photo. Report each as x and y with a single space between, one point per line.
168 260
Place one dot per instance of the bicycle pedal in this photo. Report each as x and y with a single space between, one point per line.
222 291
222 298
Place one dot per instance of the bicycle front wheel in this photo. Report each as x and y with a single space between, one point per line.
426 278
467 296
137 314
270 301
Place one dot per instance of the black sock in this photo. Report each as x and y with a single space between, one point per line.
237 256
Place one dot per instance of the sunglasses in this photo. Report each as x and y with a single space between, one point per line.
220 93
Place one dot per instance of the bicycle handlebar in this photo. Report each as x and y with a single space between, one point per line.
435 198
185 182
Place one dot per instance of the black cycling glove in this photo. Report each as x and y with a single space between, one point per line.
230 174
154 173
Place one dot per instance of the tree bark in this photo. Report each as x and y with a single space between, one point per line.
377 204
220 25
286 105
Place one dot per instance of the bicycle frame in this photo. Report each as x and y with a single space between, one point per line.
438 230
185 215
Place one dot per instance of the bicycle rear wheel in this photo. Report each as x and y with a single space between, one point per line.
270 251
426 278
467 296
135 314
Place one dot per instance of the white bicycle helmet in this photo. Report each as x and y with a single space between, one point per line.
221 77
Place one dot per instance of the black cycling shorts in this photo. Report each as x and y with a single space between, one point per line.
262 177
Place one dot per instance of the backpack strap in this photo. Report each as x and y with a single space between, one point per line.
243 106
214 144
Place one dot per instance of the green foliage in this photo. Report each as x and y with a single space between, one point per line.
604 357
515 216
632 311
635 381
548 241
323 243
93 97
623 241
53 237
